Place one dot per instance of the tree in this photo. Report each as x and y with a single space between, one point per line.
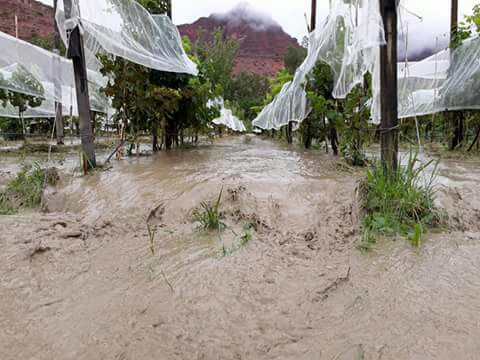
459 33
3 92
248 91
22 77
294 57
320 124
217 59
156 6
48 43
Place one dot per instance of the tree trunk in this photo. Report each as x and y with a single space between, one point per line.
334 140
388 80
169 135
155 147
475 140
24 131
459 129
290 132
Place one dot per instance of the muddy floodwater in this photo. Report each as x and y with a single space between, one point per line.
80 281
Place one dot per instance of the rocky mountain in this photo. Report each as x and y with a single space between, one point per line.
34 18
263 42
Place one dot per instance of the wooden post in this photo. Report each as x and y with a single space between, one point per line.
169 12
388 80
454 19
59 127
313 25
456 117
313 19
76 52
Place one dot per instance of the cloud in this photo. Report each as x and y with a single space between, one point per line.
244 12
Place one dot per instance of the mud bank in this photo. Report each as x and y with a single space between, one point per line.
81 282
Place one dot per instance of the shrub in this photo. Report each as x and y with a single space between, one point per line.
209 215
26 190
402 203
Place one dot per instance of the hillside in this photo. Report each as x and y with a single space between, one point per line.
34 18
263 41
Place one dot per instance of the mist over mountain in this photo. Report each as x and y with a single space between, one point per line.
263 42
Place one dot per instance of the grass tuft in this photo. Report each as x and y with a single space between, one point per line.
399 204
209 215
26 190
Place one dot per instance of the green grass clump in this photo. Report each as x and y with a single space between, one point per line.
25 191
400 203
209 215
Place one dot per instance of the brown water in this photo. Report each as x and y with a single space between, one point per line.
81 282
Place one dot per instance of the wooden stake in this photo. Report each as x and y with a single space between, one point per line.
388 80
169 13
313 19
59 126
454 19
455 116
76 52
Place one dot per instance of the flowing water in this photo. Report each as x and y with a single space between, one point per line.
81 281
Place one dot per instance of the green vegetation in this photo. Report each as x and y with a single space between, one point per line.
248 91
294 57
209 215
25 191
245 239
465 29
402 204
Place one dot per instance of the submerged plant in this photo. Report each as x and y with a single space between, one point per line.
209 215
26 190
402 203
244 241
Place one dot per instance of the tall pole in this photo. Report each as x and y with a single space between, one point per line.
313 19
454 19
169 10
388 86
59 127
455 116
313 24
76 52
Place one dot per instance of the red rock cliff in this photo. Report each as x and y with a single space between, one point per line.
34 18
263 41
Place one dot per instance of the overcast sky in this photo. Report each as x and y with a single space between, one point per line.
291 15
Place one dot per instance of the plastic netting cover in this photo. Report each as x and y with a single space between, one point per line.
125 29
226 117
31 70
349 42
448 80
229 120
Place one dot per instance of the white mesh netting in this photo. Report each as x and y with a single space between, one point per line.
119 27
30 70
348 41
448 80
125 29
226 117
229 120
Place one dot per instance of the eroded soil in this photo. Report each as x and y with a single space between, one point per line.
81 282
